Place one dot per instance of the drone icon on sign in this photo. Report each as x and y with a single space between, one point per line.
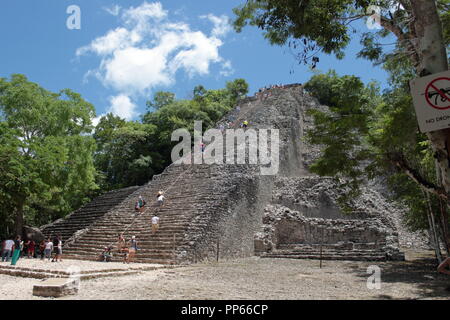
437 93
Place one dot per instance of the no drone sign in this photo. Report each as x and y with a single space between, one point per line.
431 97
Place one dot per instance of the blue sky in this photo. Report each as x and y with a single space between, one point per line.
128 49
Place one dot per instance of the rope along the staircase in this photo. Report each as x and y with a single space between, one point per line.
164 192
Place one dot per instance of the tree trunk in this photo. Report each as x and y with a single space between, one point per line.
444 225
433 236
430 46
19 221
432 226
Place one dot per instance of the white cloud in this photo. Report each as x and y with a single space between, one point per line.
114 40
122 106
96 120
146 11
227 69
221 24
147 50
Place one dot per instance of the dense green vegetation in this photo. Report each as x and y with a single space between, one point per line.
52 159
46 154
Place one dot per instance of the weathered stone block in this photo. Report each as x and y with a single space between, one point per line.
56 287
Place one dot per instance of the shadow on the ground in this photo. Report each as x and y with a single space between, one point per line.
419 270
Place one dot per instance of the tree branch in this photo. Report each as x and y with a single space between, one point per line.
400 163
402 37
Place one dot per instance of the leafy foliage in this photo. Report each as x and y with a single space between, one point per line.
130 153
46 163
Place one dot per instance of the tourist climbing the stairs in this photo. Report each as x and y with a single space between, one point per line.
140 204
131 250
107 254
160 200
121 243
155 223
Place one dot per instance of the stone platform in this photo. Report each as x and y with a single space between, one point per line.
43 269
56 287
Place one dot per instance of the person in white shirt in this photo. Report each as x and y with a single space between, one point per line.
155 224
7 249
160 200
48 249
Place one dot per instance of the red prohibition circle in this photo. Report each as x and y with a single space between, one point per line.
440 93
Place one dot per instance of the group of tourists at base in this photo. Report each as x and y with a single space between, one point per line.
17 248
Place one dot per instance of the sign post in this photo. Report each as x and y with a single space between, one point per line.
431 97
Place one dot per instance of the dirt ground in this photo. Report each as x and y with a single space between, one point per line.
261 279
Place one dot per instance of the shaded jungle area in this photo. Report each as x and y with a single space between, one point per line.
417 271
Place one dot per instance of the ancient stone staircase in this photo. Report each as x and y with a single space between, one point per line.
184 186
86 215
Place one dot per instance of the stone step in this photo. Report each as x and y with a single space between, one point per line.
120 259
329 252
301 246
327 257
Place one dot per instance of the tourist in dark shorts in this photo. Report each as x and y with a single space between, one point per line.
57 248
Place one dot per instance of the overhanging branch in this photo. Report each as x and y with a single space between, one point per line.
419 179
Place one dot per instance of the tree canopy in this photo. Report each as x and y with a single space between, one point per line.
46 164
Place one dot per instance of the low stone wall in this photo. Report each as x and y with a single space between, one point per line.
283 226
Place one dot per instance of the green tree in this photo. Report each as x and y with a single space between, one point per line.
368 135
126 154
208 106
161 99
237 88
325 25
46 152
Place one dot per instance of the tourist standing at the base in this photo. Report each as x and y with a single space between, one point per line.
8 247
31 249
48 249
16 253
57 245
42 249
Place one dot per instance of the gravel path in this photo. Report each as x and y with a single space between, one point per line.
254 278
